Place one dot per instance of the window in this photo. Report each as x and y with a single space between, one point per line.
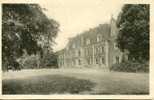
73 46
67 48
97 50
76 53
88 41
79 62
74 62
87 51
97 61
117 59
63 63
73 53
91 60
79 53
115 46
103 60
102 49
98 39
88 60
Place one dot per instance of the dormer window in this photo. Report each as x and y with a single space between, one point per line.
98 39
67 48
88 41
115 46
73 46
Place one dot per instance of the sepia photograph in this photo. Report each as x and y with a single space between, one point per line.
84 47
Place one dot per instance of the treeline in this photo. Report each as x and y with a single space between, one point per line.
26 30
133 38
130 66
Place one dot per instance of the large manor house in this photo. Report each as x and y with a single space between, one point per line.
93 48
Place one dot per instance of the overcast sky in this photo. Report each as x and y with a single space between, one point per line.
76 16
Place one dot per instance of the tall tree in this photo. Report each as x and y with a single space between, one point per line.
133 24
25 28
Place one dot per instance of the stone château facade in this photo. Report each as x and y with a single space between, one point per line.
93 48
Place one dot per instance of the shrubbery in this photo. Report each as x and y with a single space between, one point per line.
130 66
30 62
35 62
49 61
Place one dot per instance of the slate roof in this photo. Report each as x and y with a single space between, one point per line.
80 40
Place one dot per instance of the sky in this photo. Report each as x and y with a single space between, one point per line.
76 16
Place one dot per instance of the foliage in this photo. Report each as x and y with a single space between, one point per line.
49 61
133 24
34 61
130 66
29 61
47 85
25 28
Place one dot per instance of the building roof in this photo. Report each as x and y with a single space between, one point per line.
102 30
80 40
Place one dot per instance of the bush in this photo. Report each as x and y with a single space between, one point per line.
34 62
130 66
29 62
49 61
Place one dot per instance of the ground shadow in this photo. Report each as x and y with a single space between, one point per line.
48 84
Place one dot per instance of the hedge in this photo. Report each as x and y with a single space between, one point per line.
130 66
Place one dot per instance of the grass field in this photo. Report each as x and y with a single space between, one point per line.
74 81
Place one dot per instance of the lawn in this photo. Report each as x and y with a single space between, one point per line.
48 84
74 81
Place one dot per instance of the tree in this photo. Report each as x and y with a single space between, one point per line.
133 24
25 28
